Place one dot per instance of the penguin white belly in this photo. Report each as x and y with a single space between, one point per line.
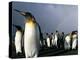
55 40
44 42
18 41
74 41
40 43
31 40
52 40
48 42
74 44
67 42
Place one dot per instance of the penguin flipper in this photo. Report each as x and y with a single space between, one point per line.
41 36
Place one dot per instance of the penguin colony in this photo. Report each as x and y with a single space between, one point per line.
33 40
61 40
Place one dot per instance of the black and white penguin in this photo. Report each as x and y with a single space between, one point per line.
52 39
61 40
74 39
41 42
18 38
48 40
32 35
67 41
56 38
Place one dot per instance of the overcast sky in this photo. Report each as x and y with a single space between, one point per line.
51 17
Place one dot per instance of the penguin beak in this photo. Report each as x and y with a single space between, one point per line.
21 12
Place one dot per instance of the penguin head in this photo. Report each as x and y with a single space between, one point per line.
18 27
51 33
46 33
63 33
75 34
56 30
25 14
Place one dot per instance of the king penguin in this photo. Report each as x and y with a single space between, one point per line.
48 40
52 41
56 38
18 38
74 39
67 42
32 35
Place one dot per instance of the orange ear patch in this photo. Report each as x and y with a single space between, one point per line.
30 24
